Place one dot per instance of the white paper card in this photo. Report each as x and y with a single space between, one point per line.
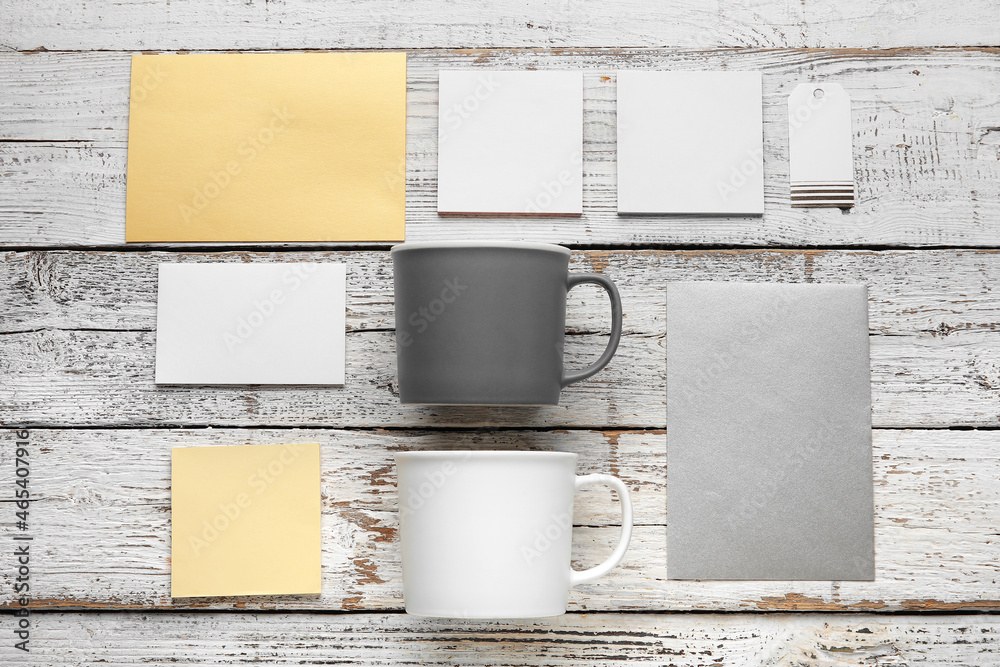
820 147
690 143
280 323
510 142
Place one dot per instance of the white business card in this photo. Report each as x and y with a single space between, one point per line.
276 323
690 143
510 142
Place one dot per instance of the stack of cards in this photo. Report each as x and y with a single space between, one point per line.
688 142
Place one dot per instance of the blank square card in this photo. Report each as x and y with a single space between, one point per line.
245 520
690 143
510 142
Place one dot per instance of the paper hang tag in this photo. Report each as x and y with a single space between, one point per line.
820 151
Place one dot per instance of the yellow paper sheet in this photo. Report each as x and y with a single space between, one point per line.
266 147
245 520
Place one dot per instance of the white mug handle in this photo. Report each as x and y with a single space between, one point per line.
583 576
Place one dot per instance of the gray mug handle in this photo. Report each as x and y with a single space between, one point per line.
616 324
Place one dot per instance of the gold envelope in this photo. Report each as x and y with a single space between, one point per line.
267 147
245 520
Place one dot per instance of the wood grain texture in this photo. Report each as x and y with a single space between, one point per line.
926 143
101 522
77 341
77 334
373 24
680 640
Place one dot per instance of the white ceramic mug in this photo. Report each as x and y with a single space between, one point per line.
487 534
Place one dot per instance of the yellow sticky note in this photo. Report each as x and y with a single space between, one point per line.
267 147
245 520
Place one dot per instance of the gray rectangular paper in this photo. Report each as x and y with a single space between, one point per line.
769 469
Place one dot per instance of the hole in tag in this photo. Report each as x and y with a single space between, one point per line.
819 93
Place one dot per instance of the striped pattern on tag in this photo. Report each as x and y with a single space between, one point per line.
813 194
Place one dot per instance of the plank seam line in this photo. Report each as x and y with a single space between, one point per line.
430 428
845 611
478 50
582 247
349 332
939 331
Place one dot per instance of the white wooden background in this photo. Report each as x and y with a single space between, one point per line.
77 313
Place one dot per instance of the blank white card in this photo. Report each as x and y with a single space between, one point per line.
250 323
510 142
690 143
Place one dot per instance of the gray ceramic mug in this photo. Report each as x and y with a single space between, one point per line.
482 323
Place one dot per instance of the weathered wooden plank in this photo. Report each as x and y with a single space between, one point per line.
216 24
101 521
574 639
926 144
78 341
